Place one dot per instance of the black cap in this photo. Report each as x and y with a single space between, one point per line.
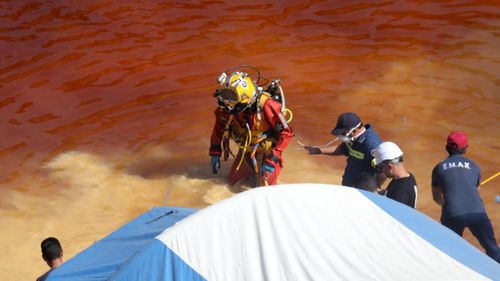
345 122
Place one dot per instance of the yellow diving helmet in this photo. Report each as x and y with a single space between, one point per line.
236 92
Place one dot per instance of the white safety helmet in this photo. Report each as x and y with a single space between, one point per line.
386 151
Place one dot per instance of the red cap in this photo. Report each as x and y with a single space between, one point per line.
457 140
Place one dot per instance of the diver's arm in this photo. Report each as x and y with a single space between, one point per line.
218 132
277 121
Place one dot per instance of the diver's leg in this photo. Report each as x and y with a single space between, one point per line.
238 171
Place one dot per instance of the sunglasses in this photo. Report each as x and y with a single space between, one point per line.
380 166
349 133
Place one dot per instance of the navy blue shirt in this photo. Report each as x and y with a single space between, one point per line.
458 178
359 157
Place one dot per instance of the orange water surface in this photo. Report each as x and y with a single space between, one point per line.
106 107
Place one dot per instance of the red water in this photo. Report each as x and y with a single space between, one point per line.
106 106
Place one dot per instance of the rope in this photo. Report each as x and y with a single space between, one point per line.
291 114
490 178
320 146
168 194
254 150
248 140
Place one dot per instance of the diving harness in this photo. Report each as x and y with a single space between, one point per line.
248 140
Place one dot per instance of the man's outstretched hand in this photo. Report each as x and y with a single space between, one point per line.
312 149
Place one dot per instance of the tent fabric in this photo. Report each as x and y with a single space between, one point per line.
293 232
322 232
107 256
157 262
446 243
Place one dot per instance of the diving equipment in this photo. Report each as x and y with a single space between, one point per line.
277 93
254 116
237 91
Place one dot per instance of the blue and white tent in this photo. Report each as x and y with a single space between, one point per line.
286 232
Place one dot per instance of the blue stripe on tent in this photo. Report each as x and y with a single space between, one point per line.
156 262
104 257
439 236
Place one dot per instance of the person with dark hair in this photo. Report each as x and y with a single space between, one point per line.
366 181
52 254
358 140
403 186
455 185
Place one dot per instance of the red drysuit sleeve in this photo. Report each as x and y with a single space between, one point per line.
278 123
221 119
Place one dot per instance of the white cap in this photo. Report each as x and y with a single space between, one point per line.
386 151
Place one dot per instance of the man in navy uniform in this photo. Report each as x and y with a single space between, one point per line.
455 184
358 141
